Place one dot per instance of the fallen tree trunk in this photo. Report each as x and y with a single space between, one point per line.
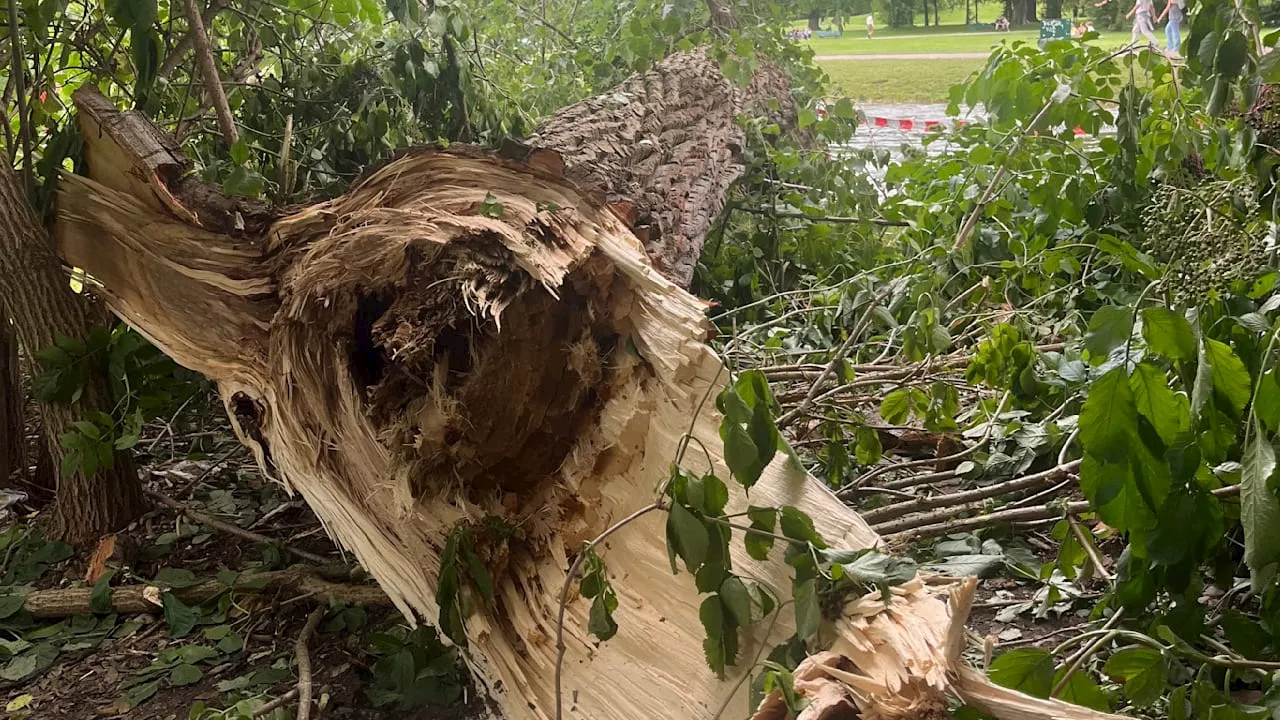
464 339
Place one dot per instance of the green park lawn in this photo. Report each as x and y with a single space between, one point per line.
898 81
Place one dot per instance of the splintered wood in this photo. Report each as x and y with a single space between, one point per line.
463 337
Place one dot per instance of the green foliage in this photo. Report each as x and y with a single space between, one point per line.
414 669
463 567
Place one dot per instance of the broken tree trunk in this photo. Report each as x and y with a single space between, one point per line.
36 293
415 359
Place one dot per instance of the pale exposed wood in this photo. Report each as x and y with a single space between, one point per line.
411 364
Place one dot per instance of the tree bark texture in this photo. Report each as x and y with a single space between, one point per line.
13 454
665 145
35 291
463 340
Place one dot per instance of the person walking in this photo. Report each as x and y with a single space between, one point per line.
871 26
1141 14
1173 29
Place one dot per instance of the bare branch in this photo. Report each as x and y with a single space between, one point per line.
209 71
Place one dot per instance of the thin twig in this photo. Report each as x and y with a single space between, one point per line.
230 529
880 516
836 359
209 71
281 701
304 662
834 220
19 70
568 582
1084 654
1089 549
179 51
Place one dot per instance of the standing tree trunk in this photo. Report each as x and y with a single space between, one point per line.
36 293
465 342
13 452
815 19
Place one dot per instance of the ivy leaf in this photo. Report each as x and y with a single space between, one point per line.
1109 328
1108 417
1259 510
1169 334
100 596
479 573
1230 378
762 519
808 612
1026 669
690 534
1144 672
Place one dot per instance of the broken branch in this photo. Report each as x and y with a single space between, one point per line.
134 599
230 529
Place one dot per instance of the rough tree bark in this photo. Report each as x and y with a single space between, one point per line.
35 292
413 364
13 455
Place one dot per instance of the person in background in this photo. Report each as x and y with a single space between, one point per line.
871 26
1173 28
1141 14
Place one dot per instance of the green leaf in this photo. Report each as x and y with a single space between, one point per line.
175 577
100 596
185 674
1109 417
20 667
1231 55
1082 690
895 408
1109 328
1259 509
691 536
479 573
798 526
763 519
491 208
181 619
1157 402
740 453
1266 406
1027 670
712 615
240 152
736 600
11 603
1169 334
867 449
844 109
874 569
1144 672
1230 378
600 622
808 611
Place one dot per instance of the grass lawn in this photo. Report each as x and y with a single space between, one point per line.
858 44
898 81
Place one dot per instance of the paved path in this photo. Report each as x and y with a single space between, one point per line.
907 56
